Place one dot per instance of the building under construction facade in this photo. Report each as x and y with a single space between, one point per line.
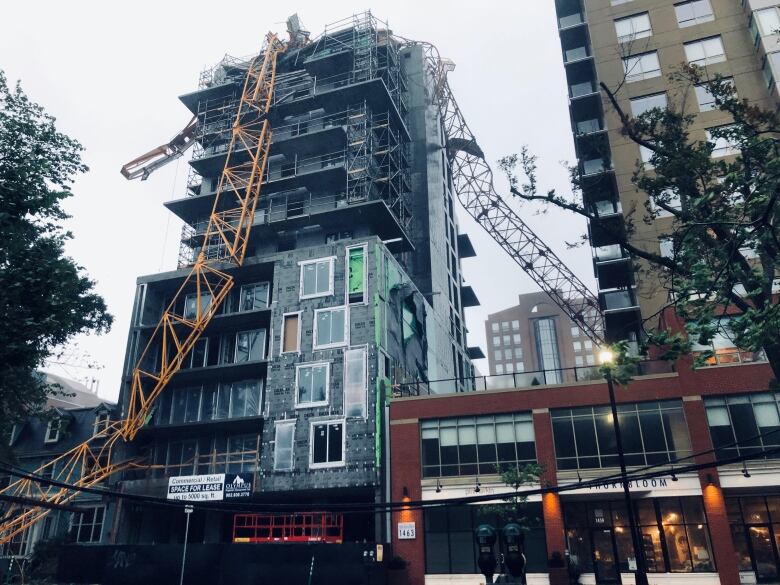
351 283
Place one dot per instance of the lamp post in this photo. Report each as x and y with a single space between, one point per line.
640 575
187 512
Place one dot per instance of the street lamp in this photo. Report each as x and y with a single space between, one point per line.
188 509
606 357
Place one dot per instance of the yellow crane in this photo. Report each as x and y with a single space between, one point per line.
225 244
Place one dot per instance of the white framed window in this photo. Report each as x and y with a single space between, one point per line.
643 66
588 344
316 278
516 325
590 359
705 51
250 346
284 442
497 340
254 296
577 346
498 355
670 198
640 105
768 21
291 333
87 526
517 339
575 331
633 27
330 328
510 368
494 327
693 12
646 156
356 274
499 368
191 305
312 384
705 99
722 145
355 382
519 367
53 430
102 420
519 352
579 360
326 448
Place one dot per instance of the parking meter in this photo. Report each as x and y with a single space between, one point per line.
486 561
514 537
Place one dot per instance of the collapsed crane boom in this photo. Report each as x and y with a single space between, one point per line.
226 240
473 180
147 163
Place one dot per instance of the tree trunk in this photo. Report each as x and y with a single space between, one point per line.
773 356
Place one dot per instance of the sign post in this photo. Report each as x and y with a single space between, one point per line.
188 509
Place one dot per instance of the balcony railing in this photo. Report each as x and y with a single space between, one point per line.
523 380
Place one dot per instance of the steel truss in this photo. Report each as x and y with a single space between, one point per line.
473 181
226 240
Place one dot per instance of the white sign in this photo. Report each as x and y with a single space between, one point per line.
631 563
407 530
655 484
197 488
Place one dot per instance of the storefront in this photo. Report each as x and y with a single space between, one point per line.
674 531
755 532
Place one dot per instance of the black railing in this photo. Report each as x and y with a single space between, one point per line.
523 380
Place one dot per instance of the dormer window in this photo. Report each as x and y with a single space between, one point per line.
53 431
102 420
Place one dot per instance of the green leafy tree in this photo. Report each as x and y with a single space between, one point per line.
722 273
45 297
515 477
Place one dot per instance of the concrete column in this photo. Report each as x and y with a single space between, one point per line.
714 504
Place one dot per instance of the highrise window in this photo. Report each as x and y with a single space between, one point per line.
250 346
284 440
633 27
311 383
547 349
705 51
355 382
254 296
644 66
356 283
316 278
330 327
768 20
693 12
640 105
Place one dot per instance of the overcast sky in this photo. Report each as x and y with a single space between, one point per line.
111 75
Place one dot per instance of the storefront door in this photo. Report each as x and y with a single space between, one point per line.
604 558
764 554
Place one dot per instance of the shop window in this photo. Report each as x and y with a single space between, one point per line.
674 531
327 444
449 537
744 425
250 346
755 526
356 284
316 278
87 526
653 433
291 333
355 382
254 296
330 328
312 384
477 445
284 441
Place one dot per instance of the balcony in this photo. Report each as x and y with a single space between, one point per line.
618 300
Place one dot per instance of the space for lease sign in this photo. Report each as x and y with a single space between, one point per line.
197 488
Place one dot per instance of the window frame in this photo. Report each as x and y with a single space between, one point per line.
292 422
347 249
254 285
633 35
80 525
707 59
331 345
49 438
298 368
697 19
101 423
364 389
636 100
643 75
262 352
331 270
328 421
297 349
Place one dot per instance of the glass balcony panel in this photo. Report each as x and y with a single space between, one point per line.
621 299
570 20
587 126
576 53
605 253
594 165
584 88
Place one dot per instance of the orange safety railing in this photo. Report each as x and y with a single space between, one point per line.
304 527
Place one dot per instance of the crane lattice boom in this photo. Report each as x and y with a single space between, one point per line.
226 240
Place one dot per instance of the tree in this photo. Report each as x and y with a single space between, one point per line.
45 297
722 271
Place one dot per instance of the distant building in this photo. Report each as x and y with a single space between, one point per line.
73 394
536 336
